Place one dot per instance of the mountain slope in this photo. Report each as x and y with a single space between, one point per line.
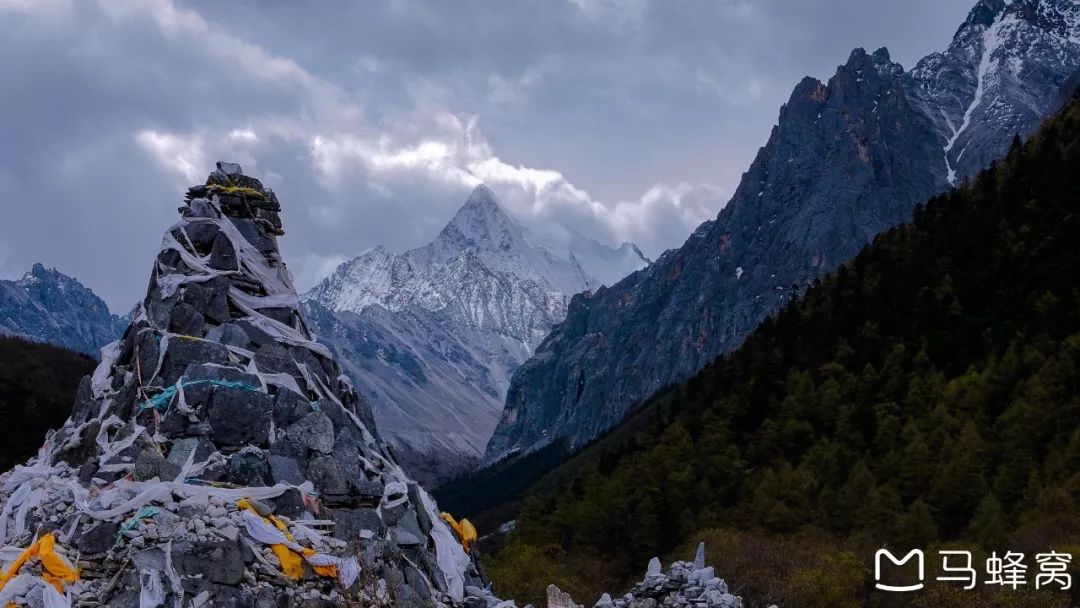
49 306
847 160
435 333
434 385
926 391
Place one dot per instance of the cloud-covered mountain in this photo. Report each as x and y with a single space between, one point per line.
623 129
48 306
847 159
434 334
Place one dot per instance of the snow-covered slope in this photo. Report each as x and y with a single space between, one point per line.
1001 74
480 270
435 333
484 229
608 264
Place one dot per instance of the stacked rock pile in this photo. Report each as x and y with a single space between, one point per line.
684 585
218 456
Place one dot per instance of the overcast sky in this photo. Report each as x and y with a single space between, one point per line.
625 119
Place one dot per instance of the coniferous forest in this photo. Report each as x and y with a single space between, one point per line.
37 386
923 395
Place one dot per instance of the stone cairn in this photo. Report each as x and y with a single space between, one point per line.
218 456
685 585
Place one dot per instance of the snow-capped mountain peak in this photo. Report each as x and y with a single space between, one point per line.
482 224
481 235
437 331
483 227
1002 71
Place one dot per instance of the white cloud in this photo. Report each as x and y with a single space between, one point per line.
349 180
178 154
243 136
459 157
366 117
308 268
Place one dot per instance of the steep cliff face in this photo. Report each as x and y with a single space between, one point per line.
1001 75
220 451
434 334
847 159
49 306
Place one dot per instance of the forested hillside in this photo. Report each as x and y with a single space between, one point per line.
37 389
926 392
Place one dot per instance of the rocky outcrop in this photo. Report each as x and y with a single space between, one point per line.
848 159
48 306
1003 73
218 456
684 585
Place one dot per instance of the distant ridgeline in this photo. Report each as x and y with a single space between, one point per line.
926 392
49 306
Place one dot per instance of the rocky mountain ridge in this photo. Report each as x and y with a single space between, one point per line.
847 159
49 306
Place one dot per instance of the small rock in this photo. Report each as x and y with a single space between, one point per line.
98 539
230 532
315 431
219 562
560 599
654 568
700 577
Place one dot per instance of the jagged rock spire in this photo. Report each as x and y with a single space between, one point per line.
221 450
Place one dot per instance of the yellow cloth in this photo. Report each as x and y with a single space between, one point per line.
464 529
57 570
468 535
292 564
328 571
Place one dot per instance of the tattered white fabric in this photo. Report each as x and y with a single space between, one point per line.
99 381
51 598
152 592
19 586
453 561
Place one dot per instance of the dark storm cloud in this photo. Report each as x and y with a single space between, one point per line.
626 119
